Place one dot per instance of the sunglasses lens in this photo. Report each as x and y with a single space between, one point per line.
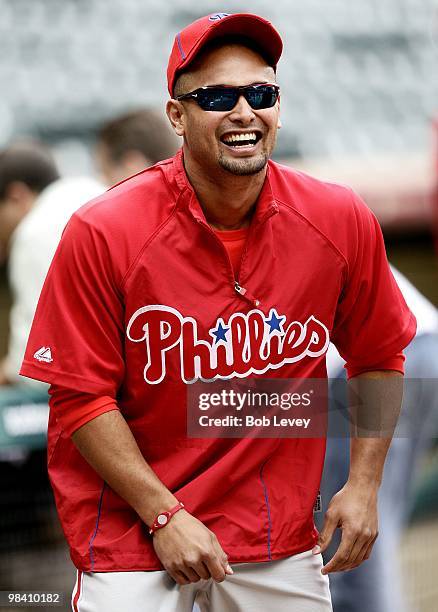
223 99
217 99
261 97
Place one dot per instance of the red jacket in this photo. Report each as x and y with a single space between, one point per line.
138 287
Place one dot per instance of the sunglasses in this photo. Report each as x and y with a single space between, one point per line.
222 98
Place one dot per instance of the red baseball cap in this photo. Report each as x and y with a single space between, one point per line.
190 41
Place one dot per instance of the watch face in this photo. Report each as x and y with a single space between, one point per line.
162 519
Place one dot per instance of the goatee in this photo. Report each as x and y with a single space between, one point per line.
244 167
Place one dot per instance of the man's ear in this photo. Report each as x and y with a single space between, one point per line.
279 124
175 113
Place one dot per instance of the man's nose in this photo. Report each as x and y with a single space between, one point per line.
242 112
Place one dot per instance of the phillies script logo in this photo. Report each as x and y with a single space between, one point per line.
249 343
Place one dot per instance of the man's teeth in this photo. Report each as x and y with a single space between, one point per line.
249 138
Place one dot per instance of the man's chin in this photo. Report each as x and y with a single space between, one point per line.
244 166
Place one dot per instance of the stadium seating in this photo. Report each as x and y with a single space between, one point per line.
357 77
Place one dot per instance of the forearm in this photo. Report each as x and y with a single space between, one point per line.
109 446
375 401
186 548
367 459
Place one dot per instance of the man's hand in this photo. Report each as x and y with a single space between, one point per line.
354 510
189 551
374 399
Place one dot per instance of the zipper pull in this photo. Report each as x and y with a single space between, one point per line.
240 290
244 293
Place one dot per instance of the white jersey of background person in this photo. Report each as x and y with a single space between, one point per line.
425 313
33 245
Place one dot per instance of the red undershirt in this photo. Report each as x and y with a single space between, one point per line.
234 242
74 409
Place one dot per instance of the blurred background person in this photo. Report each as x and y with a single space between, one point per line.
131 142
35 205
378 584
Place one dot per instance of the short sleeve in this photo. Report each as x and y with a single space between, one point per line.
77 334
74 409
372 321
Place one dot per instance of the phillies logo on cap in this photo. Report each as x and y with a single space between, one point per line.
250 343
218 16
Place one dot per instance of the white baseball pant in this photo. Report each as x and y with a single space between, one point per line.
293 584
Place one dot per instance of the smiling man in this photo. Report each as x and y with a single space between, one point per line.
241 149
215 264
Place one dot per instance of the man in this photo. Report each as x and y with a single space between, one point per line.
378 586
215 264
131 142
30 183
26 169
35 205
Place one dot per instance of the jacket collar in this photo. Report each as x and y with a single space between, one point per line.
266 205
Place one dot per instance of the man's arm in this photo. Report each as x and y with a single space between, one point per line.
186 548
375 402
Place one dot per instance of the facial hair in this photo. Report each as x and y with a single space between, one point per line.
244 167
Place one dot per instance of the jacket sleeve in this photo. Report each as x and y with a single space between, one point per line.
372 322
77 335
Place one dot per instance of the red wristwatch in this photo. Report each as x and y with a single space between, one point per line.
163 518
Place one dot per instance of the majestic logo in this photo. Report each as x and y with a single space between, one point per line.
250 343
218 16
44 354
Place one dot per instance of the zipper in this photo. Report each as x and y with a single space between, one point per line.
241 291
237 286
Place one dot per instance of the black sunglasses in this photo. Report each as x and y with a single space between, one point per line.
222 98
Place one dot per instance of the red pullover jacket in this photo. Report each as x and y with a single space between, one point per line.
136 290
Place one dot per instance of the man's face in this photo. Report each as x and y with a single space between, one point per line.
208 134
10 216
